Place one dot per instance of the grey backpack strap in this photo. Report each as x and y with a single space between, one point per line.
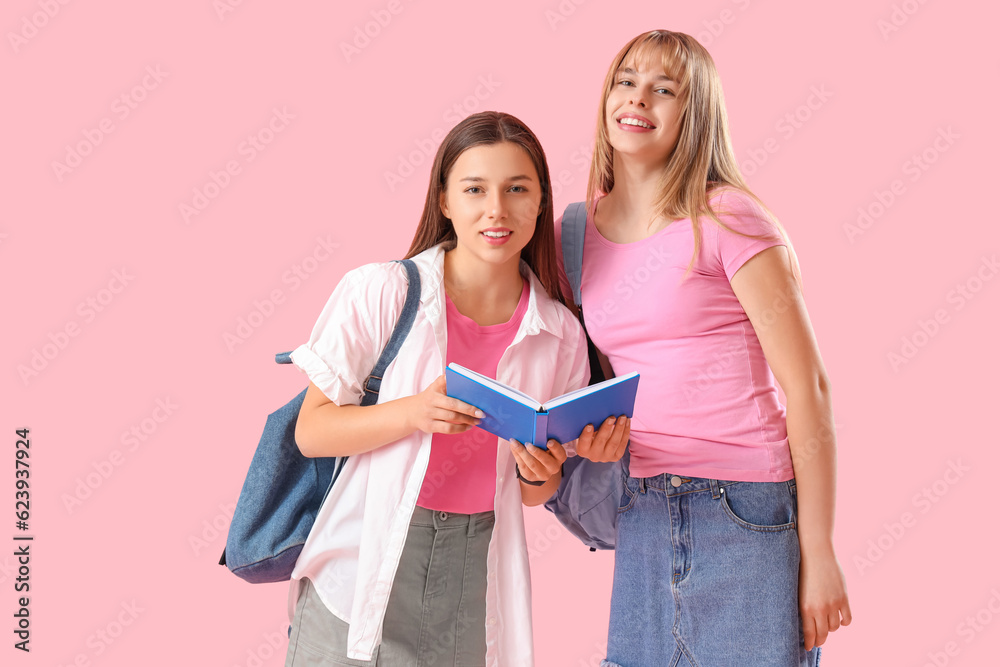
574 227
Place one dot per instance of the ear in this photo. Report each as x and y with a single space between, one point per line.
443 205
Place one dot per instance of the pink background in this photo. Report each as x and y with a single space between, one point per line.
139 543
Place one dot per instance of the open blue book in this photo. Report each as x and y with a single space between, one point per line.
513 415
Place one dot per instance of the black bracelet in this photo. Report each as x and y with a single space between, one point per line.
517 471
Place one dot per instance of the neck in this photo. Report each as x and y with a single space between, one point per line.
637 187
468 279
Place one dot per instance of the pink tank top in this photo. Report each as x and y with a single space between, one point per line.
462 472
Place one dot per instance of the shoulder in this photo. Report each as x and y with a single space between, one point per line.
742 212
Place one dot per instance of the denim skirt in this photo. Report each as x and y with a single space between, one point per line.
706 575
436 614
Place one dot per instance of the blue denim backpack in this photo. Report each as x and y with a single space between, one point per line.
586 502
284 490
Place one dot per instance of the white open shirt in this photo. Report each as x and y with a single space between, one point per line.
354 547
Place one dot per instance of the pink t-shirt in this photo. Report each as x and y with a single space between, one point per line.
462 471
707 404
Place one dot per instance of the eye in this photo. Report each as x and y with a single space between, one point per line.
665 90
474 187
518 188
624 82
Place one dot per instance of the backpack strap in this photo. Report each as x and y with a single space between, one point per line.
373 383
574 227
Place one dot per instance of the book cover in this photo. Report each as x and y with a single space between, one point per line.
513 415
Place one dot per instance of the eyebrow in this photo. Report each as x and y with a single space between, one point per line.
480 179
629 70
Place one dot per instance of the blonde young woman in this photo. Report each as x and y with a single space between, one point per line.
724 550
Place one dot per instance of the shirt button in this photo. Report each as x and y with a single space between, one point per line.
491 620
444 516
501 479
675 481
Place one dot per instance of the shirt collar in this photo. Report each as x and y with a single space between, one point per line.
542 313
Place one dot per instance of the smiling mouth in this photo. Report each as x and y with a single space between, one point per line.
635 122
495 235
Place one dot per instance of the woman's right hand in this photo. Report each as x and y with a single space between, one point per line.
433 411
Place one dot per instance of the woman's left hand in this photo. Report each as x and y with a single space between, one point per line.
537 464
822 597
607 443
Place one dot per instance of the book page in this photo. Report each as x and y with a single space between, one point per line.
497 386
584 391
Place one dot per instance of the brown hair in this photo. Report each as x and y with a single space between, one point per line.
703 161
483 129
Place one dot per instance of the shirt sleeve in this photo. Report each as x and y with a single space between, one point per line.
350 333
741 213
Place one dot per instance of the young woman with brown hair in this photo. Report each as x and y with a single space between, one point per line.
418 555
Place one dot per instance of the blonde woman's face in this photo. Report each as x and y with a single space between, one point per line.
642 112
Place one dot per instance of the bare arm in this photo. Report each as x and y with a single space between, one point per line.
327 429
773 301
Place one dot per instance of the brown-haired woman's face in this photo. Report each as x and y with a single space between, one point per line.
642 112
492 197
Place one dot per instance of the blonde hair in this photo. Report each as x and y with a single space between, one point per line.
703 161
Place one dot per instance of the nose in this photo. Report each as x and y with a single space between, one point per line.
637 98
496 207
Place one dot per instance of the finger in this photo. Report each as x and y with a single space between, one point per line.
454 417
845 613
626 434
548 458
585 441
458 406
531 467
808 632
558 452
618 433
822 630
833 620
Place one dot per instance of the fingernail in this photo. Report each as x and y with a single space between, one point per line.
610 420
480 414
590 428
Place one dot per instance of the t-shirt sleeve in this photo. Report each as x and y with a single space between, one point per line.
741 213
347 338
564 285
